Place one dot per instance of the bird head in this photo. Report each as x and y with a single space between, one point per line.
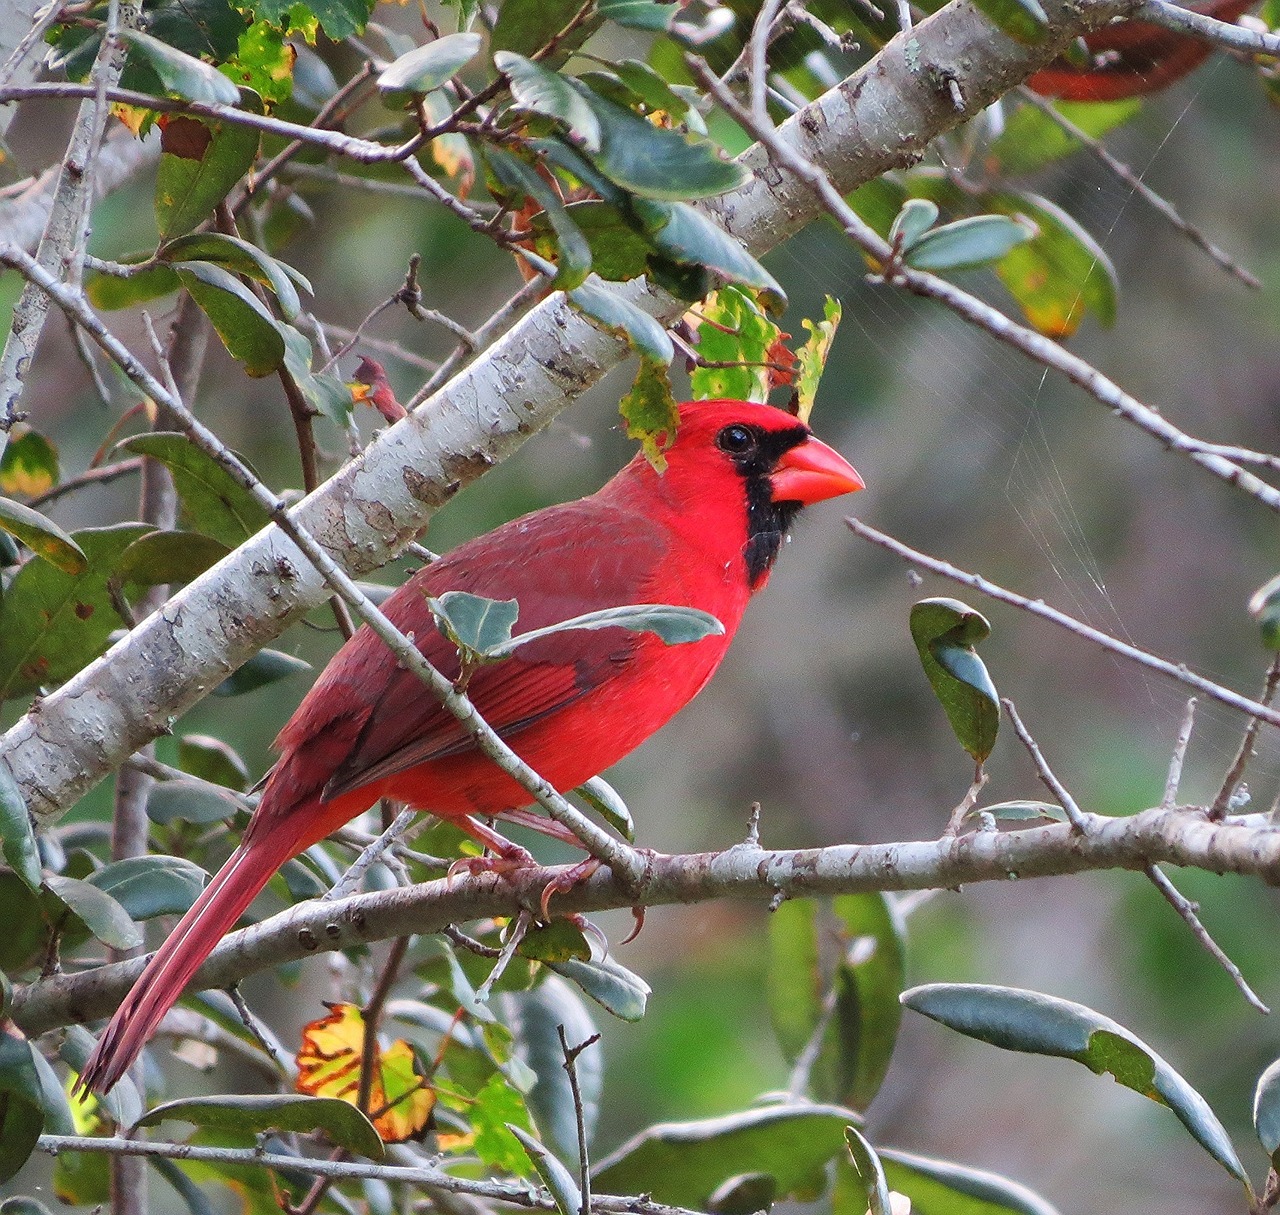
736 463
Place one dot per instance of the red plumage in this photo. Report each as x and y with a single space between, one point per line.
702 534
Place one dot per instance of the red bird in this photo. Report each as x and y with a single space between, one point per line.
704 533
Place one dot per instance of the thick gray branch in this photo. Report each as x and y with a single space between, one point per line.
1173 836
883 116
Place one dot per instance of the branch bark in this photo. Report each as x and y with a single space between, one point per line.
1178 836
881 117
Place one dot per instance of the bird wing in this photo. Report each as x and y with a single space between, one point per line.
560 563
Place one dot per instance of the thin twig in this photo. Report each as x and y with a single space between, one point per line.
1037 607
1186 21
517 1193
1187 910
261 1035
1174 776
350 881
967 803
571 1069
502 319
364 151
1157 202
92 476
1235 774
515 935
1077 819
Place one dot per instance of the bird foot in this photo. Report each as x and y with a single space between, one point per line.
505 864
564 882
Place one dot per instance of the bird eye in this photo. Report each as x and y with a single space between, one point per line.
736 440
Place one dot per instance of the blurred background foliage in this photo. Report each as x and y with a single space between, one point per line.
821 712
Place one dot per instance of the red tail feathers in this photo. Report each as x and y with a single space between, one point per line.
232 889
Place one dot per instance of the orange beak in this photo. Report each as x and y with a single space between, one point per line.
812 472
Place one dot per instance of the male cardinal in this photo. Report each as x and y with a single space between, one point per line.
703 533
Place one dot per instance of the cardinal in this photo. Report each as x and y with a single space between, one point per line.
702 533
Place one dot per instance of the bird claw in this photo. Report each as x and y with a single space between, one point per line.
564 882
504 865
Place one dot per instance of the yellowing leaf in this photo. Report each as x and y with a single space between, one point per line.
136 118
400 1100
734 341
29 465
650 413
813 356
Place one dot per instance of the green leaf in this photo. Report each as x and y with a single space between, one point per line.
917 216
1019 812
733 330
42 536
345 1125
263 62
1264 607
200 162
686 236
795 981
340 18
1045 1025
148 886
97 910
526 26
651 15
610 984
606 802
558 941
266 666
22 1104
857 1001
684 1163
811 360
495 1111
213 501
539 91
967 243
1023 20
427 67
534 1016
574 261
1031 139
940 1186
29 465
473 623
17 837
241 257
109 292
558 1180
1061 274
243 322
671 624
869 1170
650 411
52 623
655 162
945 632
181 74
211 759
869 981
646 336
164 557
190 801
618 250
1266 1112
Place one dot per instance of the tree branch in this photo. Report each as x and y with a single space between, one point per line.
1178 836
